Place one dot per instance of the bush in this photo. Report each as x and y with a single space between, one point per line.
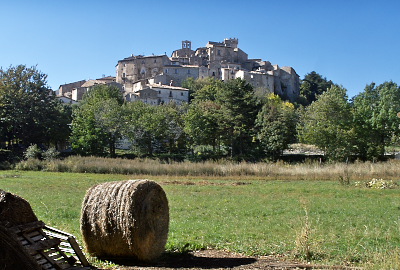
32 164
50 154
33 151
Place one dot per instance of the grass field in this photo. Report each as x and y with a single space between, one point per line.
319 221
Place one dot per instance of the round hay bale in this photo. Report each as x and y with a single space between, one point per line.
15 210
126 219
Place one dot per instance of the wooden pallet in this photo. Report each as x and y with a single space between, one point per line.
51 248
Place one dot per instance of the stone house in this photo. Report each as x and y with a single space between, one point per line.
76 90
156 94
157 79
221 60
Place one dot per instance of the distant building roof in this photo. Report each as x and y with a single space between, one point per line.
133 57
167 87
91 83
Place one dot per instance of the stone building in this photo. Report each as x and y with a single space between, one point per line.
221 60
157 93
76 90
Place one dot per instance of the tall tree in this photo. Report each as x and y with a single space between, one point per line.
276 126
96 124
327 123
375 119
29 112
202 124
240 108
155 130
225 112
312 86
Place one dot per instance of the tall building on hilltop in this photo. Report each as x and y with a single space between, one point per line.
221 60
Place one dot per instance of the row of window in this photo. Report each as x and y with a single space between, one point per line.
170 94
175 71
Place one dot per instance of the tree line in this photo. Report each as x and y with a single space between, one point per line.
222 120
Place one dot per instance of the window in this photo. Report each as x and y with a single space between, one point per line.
181 93
155 60
170 93
143 62
176 71
166 70
219 52
123 75
188 71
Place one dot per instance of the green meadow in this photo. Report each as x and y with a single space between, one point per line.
309 220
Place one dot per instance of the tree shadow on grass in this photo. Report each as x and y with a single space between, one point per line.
187 260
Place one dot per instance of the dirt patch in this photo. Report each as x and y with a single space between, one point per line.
204 183
216 259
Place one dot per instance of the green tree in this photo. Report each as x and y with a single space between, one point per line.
375 119
155 130
312 86
29 112
96 124
240 110
276 125
225 112
195 85
202 124
327 123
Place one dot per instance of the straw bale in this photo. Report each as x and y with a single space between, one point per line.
125 219
15 210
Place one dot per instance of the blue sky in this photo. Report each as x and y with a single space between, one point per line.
351 42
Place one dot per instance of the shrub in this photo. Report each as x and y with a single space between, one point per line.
32 164
50 154
33 151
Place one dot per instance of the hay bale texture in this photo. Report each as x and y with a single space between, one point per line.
126 219
15 210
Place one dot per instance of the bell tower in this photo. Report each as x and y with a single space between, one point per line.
186 44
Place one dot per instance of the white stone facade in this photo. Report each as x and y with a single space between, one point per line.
156 94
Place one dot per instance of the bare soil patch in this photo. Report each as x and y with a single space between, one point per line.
204 183
216 259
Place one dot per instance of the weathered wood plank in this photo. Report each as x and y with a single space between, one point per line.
78 251
26 228
48 266
57 231
38 238
32 234
24 242
42 261
45 244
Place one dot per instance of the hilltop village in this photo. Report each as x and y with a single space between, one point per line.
157 79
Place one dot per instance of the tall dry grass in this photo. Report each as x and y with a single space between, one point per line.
389 170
